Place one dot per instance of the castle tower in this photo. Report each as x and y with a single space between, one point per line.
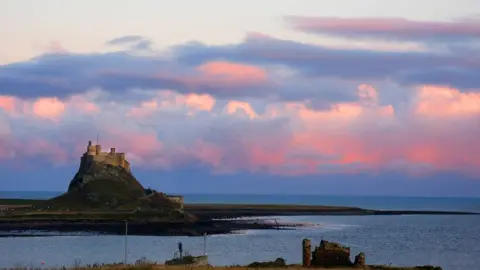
122 159
91 149
112 151
98 149
306 253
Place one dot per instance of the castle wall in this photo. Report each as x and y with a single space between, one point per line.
94 153
112 159
176 199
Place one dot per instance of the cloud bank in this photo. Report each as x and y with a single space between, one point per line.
264 105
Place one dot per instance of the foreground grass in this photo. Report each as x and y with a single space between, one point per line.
209 267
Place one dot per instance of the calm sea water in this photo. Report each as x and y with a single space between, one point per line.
448 241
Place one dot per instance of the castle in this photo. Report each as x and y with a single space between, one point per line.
94 153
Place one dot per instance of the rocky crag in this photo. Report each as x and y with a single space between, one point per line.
104 182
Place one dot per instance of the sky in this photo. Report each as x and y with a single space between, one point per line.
368 97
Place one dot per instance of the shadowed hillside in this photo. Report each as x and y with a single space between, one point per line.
99 186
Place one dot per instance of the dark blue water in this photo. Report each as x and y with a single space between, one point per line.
448 241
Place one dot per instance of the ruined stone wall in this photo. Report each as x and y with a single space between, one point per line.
306 253
327 254
176 199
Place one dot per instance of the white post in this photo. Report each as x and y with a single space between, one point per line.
205 244
126 234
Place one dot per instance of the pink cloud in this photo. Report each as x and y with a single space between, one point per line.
170 100
50 108
7 103
439 133
391 28
352 137
199 102
81 104
437 101
35 147
227 71
234 107
145 109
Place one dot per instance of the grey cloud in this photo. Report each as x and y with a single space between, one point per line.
125 40
142 45
132 42
65 74
323 62
398 29
322 75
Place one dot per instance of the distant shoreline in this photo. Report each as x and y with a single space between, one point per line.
213 218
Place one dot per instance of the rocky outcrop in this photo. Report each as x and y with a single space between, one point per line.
97 185
115 175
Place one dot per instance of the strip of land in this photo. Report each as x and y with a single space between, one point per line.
253 210
19 215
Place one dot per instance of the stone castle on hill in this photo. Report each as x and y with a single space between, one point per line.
94 153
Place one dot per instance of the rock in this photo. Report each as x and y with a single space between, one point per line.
99 171
331 254
99 186
359 261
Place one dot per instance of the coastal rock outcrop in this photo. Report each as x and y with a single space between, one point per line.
104 181
99 185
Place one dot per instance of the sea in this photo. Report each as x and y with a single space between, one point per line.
452 242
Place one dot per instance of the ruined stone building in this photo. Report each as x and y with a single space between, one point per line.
94 153
329 254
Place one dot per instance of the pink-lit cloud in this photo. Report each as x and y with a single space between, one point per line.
233 72
7 103
50 108
447 102
438 132
167 100
234 107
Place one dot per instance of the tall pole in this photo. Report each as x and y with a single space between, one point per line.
126 234
205 244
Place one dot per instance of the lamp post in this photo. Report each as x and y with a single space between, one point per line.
126 234
205 244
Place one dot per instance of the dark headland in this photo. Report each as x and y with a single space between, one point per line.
104 194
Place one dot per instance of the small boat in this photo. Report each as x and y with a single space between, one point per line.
184 258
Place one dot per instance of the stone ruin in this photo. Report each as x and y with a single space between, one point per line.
329 254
